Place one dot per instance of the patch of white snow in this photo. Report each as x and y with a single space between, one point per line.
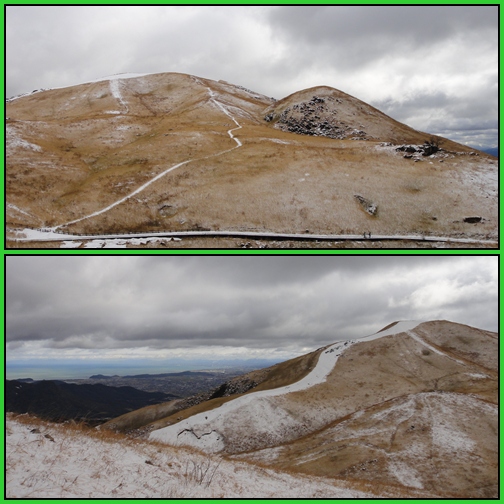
70 244
116 92
401 326
14 141
405 474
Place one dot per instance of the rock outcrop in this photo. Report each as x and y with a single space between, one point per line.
316 117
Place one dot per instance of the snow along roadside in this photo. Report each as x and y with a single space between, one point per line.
202 430
48 234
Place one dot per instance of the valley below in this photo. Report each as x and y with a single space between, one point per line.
99 398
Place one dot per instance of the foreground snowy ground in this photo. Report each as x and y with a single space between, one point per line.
46 460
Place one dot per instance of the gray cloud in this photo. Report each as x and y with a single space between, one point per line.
156 304
448 116
415 26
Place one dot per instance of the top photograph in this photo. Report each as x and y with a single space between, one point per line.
252 127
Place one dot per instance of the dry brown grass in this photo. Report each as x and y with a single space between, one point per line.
71 428
395 408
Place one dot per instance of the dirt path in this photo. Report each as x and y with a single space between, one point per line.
114 87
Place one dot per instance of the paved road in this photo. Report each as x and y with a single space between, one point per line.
51 236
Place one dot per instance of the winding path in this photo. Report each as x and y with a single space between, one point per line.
50 234
114 87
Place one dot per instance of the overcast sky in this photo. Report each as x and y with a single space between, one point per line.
139 307
434 68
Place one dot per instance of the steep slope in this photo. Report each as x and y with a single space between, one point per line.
55 461
426 441
174 152
369 410
161 415
105 138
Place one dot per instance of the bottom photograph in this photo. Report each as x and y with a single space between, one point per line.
267 376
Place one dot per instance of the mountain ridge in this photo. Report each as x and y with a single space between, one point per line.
380 403
60 401
389 414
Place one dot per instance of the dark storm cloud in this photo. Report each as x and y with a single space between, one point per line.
371 28
266 303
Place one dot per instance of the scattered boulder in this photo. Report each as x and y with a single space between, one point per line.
473 220
368 206
407 148
427 149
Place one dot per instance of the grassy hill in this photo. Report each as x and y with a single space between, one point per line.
176 152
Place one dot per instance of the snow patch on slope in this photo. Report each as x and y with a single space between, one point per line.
255 405
99 79
401 326
433 349
484 177
406 475
10 206
14 141
116 92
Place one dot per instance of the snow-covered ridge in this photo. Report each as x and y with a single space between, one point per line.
203 430
99 79
401 326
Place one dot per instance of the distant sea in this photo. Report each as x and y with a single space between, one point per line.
62 371
72 372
